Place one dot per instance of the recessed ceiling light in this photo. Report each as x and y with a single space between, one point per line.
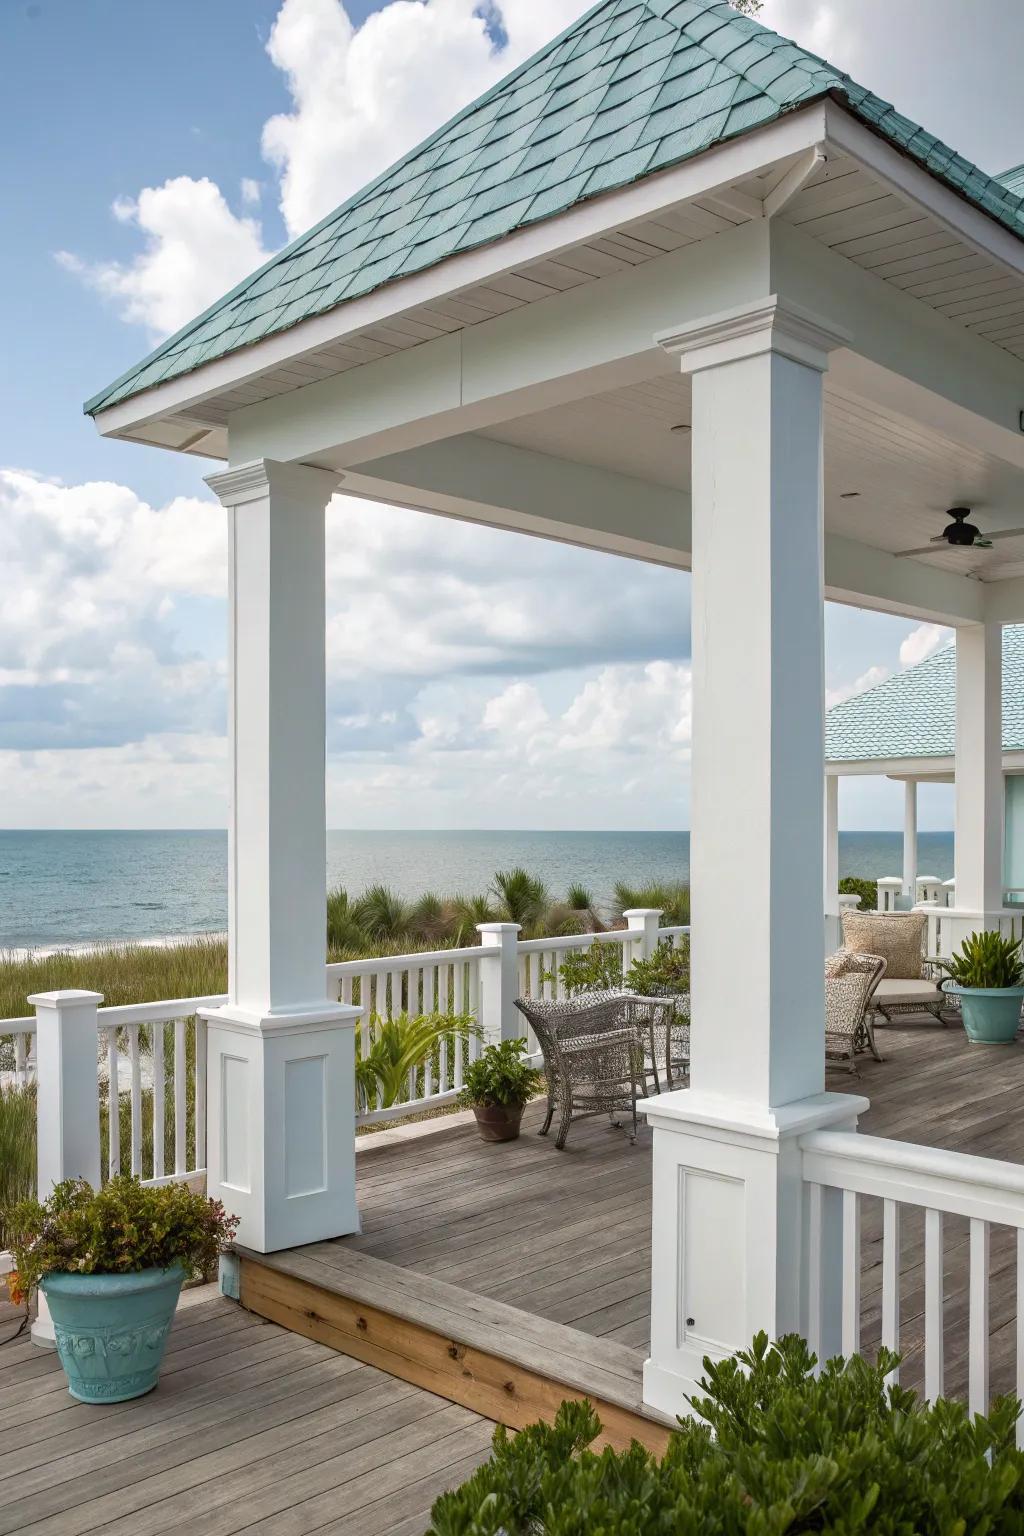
684 426
848 495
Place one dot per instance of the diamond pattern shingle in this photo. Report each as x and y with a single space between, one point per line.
633 87
914 713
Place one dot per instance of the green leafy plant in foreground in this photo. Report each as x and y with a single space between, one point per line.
598 968
665 974
986 960
122 1228
777 1450
867 890
500 1076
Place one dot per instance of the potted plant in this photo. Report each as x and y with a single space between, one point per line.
987 976
111 1263
497 1087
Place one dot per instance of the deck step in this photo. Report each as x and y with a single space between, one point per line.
498 1360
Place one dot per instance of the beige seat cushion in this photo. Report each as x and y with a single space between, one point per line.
897 936
897 991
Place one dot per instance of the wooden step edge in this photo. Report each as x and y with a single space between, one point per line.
502 1379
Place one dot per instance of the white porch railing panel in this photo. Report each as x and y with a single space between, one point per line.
979 1197
17 1042
947 927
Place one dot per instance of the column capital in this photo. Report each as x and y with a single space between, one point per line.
260 477
771 324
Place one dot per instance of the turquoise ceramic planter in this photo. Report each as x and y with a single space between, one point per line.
112 1330
991 1014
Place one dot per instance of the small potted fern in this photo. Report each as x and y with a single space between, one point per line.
498 1086
987 977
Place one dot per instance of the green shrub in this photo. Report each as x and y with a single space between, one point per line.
672 897
598 968
120 1229
500 1076
782 1450
867 890
401 1047
665 974
986 960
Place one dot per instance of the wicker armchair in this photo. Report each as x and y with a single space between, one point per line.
849 1025
593 1057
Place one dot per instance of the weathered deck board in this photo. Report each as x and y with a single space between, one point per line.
566 1235
251 1428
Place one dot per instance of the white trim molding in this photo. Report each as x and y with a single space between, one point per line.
749 330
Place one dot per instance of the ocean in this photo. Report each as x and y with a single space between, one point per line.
73 888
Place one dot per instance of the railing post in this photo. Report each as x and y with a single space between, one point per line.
499 982
642 924
68 1102
890 888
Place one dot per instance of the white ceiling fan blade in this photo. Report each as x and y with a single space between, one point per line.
1006 533
926 549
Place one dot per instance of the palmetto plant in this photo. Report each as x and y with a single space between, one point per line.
400 1046
986 961
382 914
523 898
672 897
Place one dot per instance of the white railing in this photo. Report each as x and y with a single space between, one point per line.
540 959
21 1033
947 927
444 981
928 1186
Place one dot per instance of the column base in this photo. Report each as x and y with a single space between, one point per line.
729 1229
281 1122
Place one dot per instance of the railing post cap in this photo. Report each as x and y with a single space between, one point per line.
498 927
644 912
69 997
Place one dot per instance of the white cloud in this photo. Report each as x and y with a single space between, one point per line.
923 642
363 96
194 250
861 684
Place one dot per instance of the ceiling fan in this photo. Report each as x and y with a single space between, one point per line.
960 534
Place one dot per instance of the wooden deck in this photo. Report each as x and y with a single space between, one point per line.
566 1235
250 1429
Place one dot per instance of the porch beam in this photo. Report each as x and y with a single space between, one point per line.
480 479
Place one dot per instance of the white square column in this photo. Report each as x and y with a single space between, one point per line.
980 807
910 840
281 1091
729 1211
831 892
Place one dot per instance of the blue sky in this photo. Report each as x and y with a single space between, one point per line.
455 697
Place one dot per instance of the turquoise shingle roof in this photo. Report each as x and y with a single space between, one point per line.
913 714
1013 179
631 88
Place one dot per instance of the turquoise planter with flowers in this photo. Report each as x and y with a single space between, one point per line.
111 1330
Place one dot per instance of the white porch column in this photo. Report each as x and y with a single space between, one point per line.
728 1246
910 840
831 845
281 1095
978 847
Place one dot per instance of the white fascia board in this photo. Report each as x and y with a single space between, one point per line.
891 768
596 337
716 168
864 577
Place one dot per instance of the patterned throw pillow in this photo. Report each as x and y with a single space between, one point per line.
897 936
836 965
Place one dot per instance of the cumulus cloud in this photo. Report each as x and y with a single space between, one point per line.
90 647
362 96
194 250
923 642
860 684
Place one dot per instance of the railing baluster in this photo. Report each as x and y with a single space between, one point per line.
934 1306
157 1039
851 1273
473 972
20 1060
891 1279
814 1261
458 1007
977 1336
136 1097
428 1065
113 1108
180 1098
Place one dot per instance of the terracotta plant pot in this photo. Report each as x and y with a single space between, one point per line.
498 1122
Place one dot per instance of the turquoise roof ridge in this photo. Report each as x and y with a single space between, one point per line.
913 713
632 87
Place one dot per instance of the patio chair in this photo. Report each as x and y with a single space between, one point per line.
911 981
850 983
593 1057
666 1021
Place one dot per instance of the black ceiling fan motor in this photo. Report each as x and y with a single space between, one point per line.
960 531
